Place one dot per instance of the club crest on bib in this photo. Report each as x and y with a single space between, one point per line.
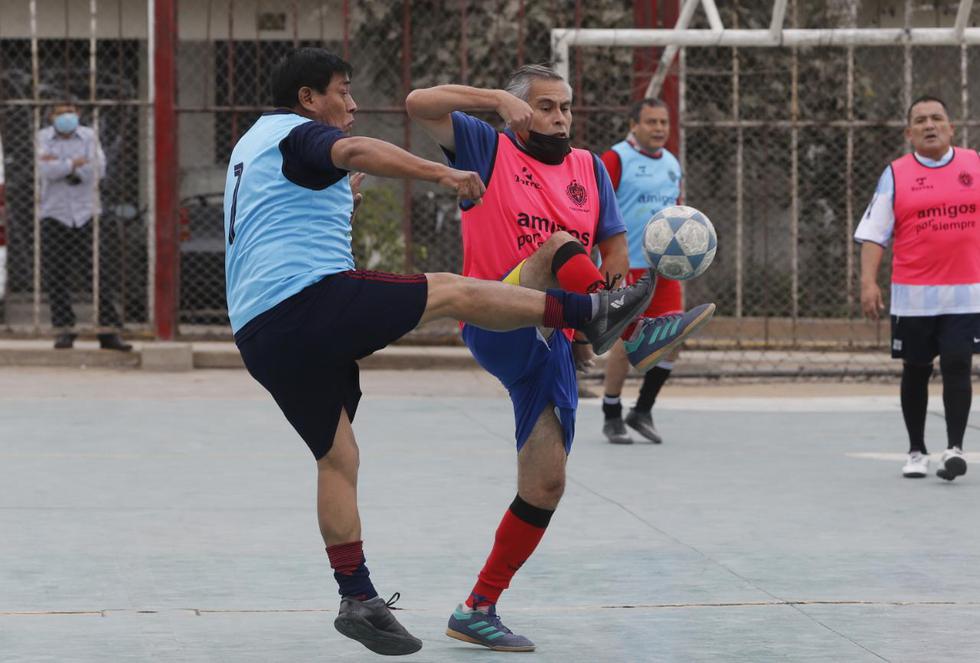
577 193
966 179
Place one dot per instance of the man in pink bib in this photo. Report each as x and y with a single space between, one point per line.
926 204
546 206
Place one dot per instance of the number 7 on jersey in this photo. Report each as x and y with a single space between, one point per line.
239 169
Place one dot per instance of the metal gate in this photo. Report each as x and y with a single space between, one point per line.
94 55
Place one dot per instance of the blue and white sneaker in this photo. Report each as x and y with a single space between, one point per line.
483 627
654 338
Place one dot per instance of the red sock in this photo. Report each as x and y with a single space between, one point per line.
518 535
574 270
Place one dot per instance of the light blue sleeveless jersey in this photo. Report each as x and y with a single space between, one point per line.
646 186
279 237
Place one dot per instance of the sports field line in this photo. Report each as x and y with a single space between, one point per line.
552 608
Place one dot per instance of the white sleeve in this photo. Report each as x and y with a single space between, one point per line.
878 221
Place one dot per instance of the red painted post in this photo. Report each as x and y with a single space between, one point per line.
644 59
671 89
657 14
165 133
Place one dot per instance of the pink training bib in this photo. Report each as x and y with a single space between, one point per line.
937 221
525 203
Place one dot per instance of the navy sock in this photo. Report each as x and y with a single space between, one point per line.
350 572
566 309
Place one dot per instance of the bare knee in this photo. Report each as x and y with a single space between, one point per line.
445 291
558 240
544 491
538 270
344 456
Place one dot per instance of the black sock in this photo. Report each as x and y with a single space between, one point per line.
612 407
957 396
915 400
653 382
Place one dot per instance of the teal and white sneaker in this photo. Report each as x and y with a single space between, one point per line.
654 338
483 627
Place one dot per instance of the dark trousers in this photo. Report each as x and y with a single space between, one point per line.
66 263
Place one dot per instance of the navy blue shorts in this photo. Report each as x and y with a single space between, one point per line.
537 373
304 350
919 338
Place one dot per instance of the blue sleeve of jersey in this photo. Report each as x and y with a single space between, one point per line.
610 218
306 158
476 145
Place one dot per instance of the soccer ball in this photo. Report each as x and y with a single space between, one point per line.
679 242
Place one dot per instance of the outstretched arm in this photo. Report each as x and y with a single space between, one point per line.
376 157
432 109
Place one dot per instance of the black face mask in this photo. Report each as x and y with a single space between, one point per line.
548 149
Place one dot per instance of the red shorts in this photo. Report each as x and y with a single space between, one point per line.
666 299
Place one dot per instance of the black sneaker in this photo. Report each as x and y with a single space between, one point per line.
616 309
642 423
372 624
113 342
615 431
64 341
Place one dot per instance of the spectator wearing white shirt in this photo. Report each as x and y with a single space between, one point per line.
927 206
70 164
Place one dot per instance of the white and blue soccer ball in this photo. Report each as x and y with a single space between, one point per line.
680 242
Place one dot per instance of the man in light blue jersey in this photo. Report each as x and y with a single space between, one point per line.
646 178
303 316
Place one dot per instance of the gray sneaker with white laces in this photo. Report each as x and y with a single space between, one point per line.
616 309
642 423
615 431
372 624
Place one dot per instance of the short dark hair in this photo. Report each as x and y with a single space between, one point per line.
649 102
919 100
304 67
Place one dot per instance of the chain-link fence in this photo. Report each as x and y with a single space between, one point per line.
225 52
75 198
781 147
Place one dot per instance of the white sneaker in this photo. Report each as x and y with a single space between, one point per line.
954 464
917 466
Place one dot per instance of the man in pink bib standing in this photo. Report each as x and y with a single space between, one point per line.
546 206
927 204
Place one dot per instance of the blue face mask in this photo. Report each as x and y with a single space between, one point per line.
66 122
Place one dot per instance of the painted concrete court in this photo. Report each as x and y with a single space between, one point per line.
170 518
